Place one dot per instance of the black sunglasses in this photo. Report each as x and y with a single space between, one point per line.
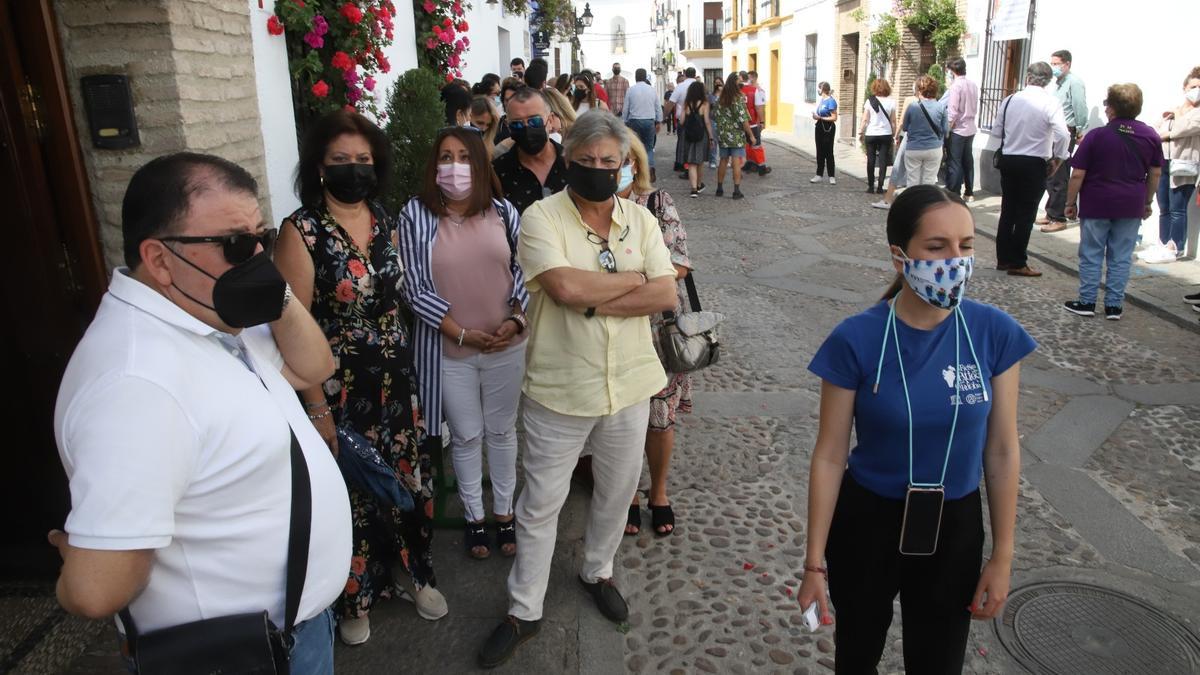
238 248
534 121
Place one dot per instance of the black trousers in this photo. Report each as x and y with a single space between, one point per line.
960 165
879 154
866 570
825 132
1022 182
1056 187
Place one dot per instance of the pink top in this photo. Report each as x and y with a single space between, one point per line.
471 271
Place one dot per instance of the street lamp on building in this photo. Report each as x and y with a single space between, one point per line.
582 22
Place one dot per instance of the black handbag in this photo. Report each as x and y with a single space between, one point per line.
239 644
999 154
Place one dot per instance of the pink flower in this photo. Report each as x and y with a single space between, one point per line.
462 26
446 37
320 25
350 76
466 41
449 33
430 43
353 94
369 84
357 269
454 61
344 291
428 7
274 27
313 40
458 9
459 45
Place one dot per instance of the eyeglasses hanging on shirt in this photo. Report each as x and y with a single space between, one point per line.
608 261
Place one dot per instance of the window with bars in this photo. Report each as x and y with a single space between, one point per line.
810 68
1004 64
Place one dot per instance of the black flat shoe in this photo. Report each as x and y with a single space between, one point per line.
634 519
475 536
503 641
662 516
608 599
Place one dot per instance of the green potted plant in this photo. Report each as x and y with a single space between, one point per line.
414 115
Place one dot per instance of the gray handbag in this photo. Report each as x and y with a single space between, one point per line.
688 339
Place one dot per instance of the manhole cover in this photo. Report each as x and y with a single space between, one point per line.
1064 628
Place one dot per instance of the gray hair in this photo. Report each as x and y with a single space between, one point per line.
595 125
1038 74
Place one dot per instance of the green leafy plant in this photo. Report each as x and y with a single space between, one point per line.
885 40
937 20
939 76
415 113
335 48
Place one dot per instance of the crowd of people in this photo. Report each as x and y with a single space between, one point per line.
532 274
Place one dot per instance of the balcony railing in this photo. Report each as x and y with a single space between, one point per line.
712 41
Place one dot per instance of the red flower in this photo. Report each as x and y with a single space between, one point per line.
274 27
462 26
447 22
344 291
352 586
349 108
342 61
320 89
449 78
353 14
299 3
384 66
428 7
358 565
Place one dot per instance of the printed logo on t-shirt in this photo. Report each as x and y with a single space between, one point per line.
970 384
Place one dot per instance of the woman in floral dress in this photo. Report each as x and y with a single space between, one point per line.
339 253
676 397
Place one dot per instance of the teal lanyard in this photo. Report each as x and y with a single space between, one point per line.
960 327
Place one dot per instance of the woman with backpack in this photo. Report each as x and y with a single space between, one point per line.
925 129
696 138
878 129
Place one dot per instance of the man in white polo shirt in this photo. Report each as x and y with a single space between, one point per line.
173 422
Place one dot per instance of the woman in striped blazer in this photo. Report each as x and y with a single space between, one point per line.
458 242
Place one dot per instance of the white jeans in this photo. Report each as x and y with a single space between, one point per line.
553 443
921 166
479 399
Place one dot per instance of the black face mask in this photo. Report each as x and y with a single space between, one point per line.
594 185
616 71
530 140
580 93
248 294
350 183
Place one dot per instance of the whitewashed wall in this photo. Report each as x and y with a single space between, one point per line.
276 115
597 44
491 49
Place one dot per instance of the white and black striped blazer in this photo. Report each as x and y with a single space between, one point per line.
418 231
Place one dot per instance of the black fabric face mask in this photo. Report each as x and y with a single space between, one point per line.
580 93
350 183
248 294
530 140
594 185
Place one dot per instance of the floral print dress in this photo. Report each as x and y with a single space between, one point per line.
676 397
358 304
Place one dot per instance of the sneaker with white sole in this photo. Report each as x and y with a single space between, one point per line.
815 179
1080 308
1196 308
832 180
881 205
355 631
1112 313
1192 299
1158 255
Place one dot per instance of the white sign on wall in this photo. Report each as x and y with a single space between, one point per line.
1010 20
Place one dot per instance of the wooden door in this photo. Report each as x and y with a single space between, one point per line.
54 277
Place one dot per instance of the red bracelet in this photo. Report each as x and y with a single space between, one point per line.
820 570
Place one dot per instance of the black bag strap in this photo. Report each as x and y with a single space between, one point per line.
299 532
653 202
1132 148
874 103
940 131
693 298
1004 113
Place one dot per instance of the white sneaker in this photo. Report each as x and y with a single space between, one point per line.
882 205
832 180
355 631
431 604
815 179
1157 255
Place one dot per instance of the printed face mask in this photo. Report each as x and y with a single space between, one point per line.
455 180
940 282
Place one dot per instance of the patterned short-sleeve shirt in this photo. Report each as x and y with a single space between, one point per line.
521 186
729 119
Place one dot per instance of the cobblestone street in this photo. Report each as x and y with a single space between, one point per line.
1110 494
1107 416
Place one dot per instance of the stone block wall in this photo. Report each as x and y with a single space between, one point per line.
191 71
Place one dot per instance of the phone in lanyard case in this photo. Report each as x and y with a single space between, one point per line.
922 520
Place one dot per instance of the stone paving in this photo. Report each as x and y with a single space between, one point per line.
1109 493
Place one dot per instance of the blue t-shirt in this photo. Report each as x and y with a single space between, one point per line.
826 106
921 136
879 462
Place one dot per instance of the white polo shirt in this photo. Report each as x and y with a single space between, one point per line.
172 443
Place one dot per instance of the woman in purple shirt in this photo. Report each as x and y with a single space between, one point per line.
1115 171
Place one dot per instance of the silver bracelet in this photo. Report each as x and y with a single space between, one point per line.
320 416
462 335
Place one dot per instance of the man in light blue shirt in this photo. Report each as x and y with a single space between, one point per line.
1073 97
642 112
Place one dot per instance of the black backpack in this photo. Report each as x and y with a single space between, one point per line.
693 127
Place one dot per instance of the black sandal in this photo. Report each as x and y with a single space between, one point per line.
506 533
634 520
662 516
476 537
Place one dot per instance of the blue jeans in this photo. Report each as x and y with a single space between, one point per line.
1173 209
644 130
960 165
1108 240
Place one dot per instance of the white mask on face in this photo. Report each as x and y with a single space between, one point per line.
1193 95
556 137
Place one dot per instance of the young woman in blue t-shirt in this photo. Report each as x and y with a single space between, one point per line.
929 381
